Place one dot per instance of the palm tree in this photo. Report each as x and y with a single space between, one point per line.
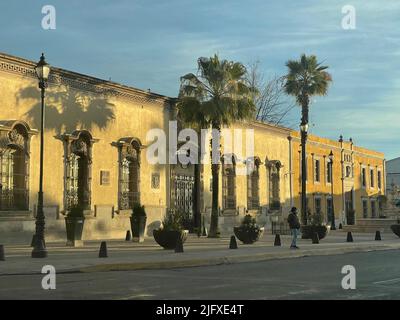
215 97
306 78
189 114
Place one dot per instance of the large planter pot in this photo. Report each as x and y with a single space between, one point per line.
248 236
307 232
74 226
138 226
168 238
396 229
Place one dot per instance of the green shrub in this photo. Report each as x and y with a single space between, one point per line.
173 221
316 219
249 224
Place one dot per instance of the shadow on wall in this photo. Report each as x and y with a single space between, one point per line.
68 110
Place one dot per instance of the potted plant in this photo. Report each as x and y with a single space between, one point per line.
74 222
315 225
138 222
249 231
396 227
170 231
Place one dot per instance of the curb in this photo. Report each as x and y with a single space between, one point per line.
230 260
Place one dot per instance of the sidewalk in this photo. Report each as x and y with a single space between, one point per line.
202 251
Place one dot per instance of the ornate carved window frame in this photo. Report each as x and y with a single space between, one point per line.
79 141
128 148
16 135
274 168
229 203
253 177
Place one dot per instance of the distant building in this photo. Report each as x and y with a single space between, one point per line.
392 173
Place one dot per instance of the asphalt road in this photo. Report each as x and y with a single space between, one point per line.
377 277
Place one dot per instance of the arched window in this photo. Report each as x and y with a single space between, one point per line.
229 182
129 172
274 167
14 165
253 180
77 169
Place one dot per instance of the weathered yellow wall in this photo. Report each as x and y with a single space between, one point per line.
320 148
270 143
20 95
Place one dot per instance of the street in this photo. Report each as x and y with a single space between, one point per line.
317 277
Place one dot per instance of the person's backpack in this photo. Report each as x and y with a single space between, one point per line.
290 219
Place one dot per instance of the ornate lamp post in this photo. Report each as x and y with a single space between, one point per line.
333 227
39 251
303 130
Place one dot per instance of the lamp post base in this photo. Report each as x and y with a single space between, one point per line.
39 251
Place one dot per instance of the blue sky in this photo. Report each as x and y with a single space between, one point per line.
151 43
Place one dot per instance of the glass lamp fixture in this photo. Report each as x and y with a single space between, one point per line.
42 69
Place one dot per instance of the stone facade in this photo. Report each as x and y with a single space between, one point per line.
392 174
95 146
83 115
358 178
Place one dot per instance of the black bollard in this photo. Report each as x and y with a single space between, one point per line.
277 242
128 236
179 245
233 243
103 250
2 256
340 226
349 237
378 236
33 240
315 238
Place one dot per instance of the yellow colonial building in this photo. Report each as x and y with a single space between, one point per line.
355 183
95 156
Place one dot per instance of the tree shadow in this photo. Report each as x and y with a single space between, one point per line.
67 110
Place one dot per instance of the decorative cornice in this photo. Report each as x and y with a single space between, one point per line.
58 76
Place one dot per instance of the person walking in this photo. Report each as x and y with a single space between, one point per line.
294 225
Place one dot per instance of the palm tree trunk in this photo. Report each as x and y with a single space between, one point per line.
214 232
304 120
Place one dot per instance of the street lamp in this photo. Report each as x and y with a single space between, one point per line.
42 70
333 227
303 131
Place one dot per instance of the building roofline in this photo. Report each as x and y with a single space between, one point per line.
271 126
394 159
87 79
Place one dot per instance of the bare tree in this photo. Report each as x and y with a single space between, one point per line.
272 103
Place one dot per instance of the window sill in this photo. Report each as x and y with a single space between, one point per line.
124 212
229 212
13 215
